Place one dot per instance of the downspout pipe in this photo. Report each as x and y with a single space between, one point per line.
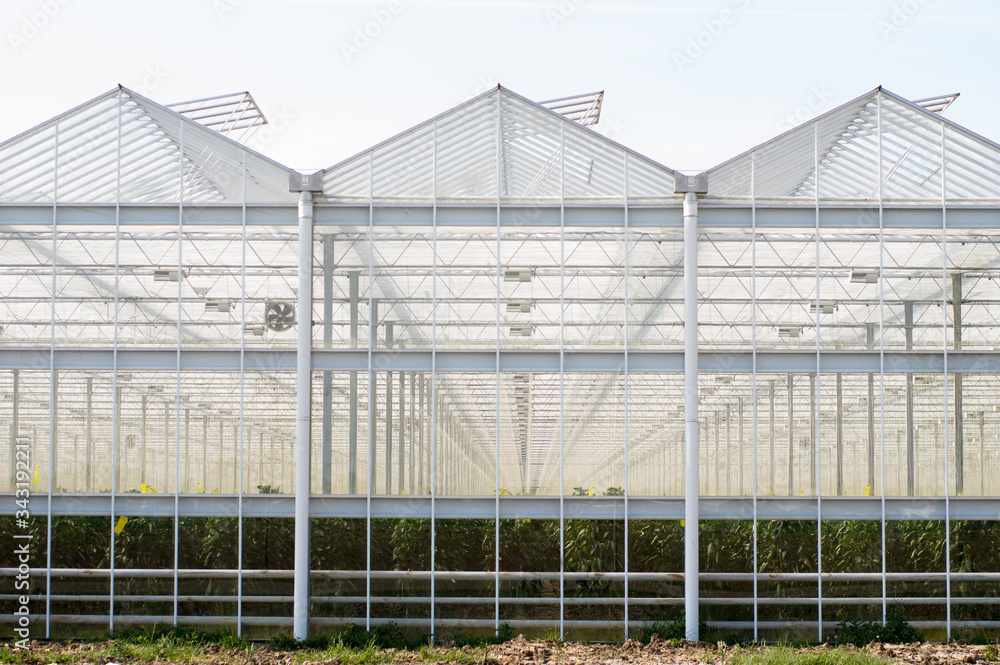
691 186
305 185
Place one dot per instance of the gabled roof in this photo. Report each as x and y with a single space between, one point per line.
915 144
498 145
146 138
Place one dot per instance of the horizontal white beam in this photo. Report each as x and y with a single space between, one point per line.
283 360
788 217
517 507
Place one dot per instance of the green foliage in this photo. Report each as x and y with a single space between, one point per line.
506 634
788 656
180 636
991 653
9 655
674 631
896 630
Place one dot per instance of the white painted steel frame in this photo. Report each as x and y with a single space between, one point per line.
691 421
624 361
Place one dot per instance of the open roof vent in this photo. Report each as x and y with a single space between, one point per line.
235 115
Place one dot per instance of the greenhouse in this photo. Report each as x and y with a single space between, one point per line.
522 378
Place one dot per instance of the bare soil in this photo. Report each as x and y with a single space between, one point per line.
518 651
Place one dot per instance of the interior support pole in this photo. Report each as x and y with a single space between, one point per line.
691 564
812 435
739 444
327 375
388 415
956 303
791 435
423 420
142 446
413 423
303 420
870 344
372 477
729 449
90 429
14 431
770 432
840 434
352 392
187 449
204 453
401 465
982 453
911 478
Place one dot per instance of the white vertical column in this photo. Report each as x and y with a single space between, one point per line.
243 347
881 346
817 456
177 381
691 415
625 487
53 439
562 377
433 388
496 459
958 415
753 352
303 420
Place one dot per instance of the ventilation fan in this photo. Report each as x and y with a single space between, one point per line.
279 315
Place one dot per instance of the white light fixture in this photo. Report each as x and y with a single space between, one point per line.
789 331
521 331
217 306
517 275
864 276
518 307
825 306
256 331
166 275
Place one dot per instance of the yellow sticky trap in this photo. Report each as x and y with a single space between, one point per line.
591 492
37 471
682 522
199 487
144 488
120 525
868 490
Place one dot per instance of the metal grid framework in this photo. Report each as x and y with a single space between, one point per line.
497 349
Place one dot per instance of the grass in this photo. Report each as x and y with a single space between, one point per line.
381 646
787 656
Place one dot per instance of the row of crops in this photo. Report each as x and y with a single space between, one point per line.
525 546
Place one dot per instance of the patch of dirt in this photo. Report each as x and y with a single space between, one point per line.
521 651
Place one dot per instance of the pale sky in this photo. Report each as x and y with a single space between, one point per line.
687 83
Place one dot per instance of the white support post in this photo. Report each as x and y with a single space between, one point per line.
691 415
303 420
